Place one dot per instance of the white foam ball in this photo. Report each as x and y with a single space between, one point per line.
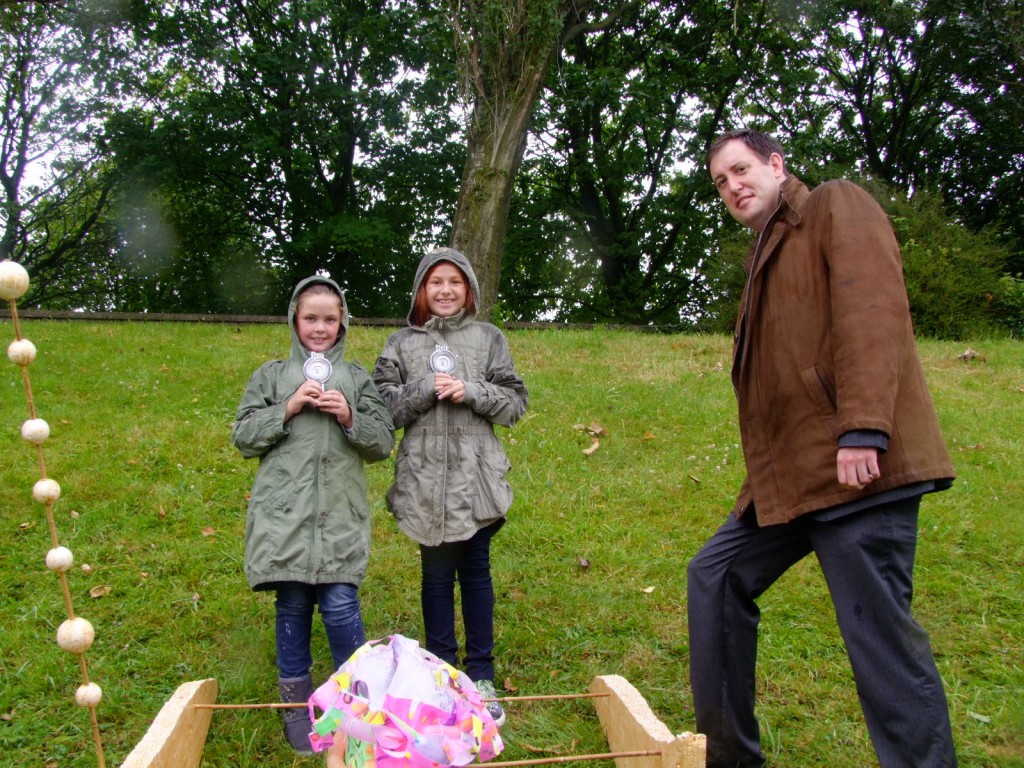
75 635
88 695
36 431
13 280
59 559
21 352
46 491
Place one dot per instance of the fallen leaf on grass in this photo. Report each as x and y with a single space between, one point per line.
593 429
101 591
695 479
648 435
209 531
969 354
980 718
648 590
509 686
592 449
27 526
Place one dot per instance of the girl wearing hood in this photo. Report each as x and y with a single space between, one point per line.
312 420
447 379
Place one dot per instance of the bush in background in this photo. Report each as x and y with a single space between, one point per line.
952 274
1009 304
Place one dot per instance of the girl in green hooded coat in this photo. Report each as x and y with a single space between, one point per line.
312 420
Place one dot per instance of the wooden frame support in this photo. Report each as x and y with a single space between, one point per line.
630 724
178 734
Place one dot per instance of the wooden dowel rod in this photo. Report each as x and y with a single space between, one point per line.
552 696
269 705
572 758
296 705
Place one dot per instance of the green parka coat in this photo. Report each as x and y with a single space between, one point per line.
308 518
450 468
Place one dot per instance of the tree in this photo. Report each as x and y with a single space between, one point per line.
617 182
505 48
53 192
277 140
921 94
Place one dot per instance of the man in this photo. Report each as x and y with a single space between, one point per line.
840 441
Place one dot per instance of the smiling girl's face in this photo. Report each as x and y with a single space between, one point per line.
318 320
446 290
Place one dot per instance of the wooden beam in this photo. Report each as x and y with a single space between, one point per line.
178 734
630 724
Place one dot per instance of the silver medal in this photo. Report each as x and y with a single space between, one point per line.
317 368
442 360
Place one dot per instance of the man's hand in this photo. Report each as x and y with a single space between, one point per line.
857 467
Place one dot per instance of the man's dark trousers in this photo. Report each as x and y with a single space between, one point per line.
867 558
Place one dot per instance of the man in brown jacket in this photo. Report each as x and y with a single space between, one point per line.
840 441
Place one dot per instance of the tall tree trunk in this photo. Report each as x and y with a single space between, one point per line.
495 148
505 50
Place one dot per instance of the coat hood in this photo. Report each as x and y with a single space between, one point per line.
298 352
427 263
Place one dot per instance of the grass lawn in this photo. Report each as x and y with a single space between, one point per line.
590 570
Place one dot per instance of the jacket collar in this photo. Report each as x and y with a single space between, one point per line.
793 193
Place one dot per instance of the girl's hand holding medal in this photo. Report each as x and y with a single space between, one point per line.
448 387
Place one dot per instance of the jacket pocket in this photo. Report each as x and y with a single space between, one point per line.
494 494
410 467
821 391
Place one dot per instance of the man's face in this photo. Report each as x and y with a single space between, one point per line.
748 185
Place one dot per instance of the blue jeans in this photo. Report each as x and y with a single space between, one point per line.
867 558
339 609
468 562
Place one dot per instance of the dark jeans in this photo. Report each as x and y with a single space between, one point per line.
339 609
867 558
468 562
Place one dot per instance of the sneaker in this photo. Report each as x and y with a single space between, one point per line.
494 709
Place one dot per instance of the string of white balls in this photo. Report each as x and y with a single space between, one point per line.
75 635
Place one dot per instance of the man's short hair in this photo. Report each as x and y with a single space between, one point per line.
761 144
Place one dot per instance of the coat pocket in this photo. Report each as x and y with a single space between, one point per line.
821 391
494 494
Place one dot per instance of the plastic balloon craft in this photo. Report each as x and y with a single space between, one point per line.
394 704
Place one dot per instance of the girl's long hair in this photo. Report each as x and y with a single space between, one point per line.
420 313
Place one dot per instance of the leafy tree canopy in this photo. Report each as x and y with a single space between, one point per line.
203 155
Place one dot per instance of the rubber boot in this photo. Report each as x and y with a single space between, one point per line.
295 690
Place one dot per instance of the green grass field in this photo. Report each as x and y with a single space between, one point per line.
590 570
